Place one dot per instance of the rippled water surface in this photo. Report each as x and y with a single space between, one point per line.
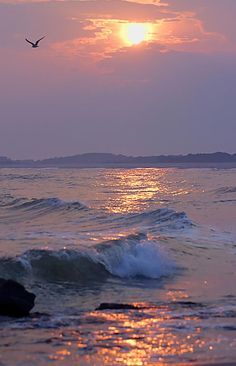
163 240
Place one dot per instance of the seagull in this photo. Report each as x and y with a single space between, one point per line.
36 44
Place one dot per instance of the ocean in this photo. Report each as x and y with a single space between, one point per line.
162 240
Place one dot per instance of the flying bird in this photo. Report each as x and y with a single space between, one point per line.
36 44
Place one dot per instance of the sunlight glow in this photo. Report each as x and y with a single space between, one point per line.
135 33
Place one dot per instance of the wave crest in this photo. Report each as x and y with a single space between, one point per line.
162 219
127 257
132 258
225 190
35 204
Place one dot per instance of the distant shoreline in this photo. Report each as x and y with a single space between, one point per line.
128 166
217 160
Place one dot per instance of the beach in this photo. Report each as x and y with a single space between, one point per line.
160 239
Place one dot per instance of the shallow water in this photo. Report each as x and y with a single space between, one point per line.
162 239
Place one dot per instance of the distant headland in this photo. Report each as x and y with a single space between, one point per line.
108 160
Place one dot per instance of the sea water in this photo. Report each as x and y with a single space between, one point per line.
163 240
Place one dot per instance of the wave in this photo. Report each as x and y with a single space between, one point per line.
225 201
129 257
25 176
225 190
135 256
36 204
161 219
91 220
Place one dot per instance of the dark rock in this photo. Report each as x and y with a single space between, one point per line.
114 306
15 301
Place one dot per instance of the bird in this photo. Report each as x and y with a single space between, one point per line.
36 44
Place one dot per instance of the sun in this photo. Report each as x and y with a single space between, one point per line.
135 33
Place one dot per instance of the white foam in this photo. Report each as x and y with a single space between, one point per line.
125 258
144 258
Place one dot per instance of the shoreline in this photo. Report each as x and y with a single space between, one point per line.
230 165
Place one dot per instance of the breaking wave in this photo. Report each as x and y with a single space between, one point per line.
132 256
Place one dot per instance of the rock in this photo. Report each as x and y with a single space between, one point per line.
15 300
115 306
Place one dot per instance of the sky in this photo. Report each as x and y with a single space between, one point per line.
137 77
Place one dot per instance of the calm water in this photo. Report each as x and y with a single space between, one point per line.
163 239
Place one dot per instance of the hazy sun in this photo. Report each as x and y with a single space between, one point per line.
135 33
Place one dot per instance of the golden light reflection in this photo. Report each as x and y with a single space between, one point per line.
140 189
144 340
176 295
60 355
148 336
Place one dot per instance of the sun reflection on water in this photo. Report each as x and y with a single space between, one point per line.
126 338
138 189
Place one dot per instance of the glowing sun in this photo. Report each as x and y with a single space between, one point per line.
135 33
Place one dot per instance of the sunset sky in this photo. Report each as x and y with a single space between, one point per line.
136 77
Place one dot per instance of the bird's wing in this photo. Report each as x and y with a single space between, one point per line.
29 42
37 42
